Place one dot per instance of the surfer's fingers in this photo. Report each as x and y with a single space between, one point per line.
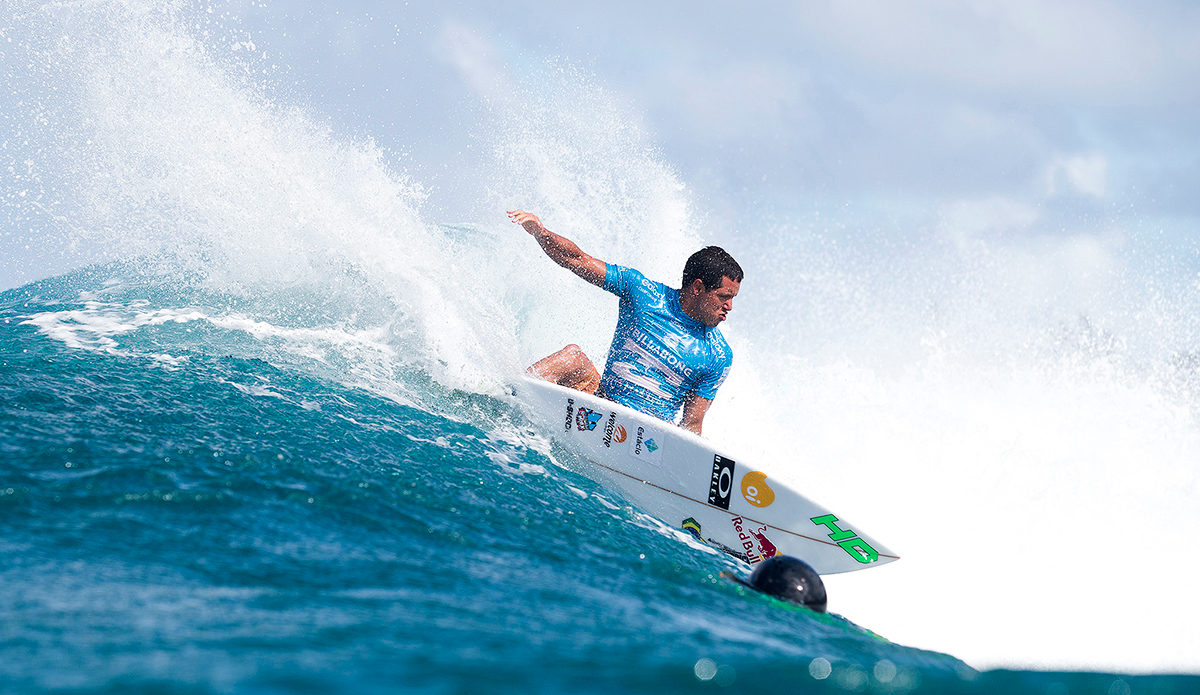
526 219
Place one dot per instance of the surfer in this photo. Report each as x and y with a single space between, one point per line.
666 353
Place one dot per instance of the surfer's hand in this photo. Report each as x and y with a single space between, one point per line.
528 220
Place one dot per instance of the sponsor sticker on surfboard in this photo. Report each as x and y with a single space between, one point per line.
614 432
720 487
647 445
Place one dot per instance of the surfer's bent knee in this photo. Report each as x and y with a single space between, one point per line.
568 367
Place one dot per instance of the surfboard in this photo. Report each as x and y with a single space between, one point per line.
696 486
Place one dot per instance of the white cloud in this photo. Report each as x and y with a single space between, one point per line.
737 96
475 57
1102 48
1086 174
966 220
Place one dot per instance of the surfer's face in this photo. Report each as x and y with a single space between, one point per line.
711 307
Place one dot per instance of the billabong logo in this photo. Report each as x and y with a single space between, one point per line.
586 419
755 489
721 485
620 435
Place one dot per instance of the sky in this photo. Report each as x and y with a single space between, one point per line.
1008 118
1071 107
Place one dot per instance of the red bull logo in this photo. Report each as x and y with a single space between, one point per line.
765 547
755 543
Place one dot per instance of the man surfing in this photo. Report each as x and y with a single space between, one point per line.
666 353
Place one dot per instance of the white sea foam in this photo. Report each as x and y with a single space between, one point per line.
1035 470
97 325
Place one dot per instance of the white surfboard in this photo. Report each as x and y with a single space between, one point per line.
691 484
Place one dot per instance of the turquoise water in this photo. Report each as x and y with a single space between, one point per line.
232 524
186 509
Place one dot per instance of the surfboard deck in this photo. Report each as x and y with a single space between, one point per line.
692 484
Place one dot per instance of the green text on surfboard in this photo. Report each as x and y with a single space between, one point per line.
856 547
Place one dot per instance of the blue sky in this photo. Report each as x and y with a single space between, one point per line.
997 118
919 103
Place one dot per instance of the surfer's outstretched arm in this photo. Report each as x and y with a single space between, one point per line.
560 249
694 409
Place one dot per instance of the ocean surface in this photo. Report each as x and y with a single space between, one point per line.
194 501
257 431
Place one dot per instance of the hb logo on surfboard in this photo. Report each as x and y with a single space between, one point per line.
849 541
721 486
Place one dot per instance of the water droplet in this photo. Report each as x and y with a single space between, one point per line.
725 675
705 669
819 668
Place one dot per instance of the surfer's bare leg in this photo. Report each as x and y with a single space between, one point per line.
568 367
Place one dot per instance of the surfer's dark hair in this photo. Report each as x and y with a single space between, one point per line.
709 265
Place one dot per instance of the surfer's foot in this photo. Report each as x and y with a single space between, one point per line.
568 367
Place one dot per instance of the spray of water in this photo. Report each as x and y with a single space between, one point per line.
180 162
1016 417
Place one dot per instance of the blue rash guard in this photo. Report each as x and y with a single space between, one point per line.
659 354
